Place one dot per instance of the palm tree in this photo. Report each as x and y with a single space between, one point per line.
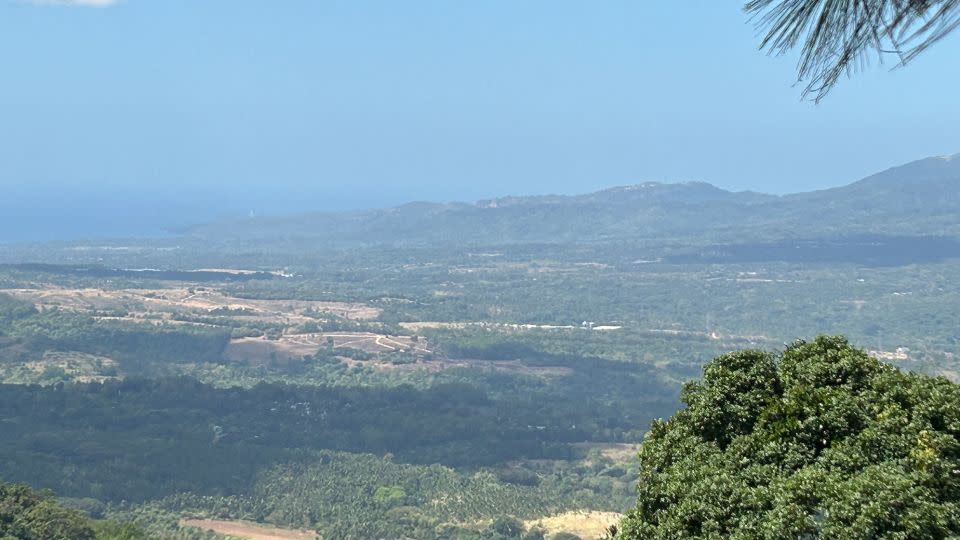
841 36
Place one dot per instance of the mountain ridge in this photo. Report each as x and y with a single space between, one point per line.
917 198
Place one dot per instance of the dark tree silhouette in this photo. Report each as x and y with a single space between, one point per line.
841 36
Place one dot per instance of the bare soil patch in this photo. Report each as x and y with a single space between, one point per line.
587 524
146 303
248 530
617 452
259 351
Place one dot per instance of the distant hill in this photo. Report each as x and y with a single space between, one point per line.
917 199
922 196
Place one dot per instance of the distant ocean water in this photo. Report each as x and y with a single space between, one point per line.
29 216
48 229
28 219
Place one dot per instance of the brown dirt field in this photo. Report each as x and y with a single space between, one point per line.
250 531
617 452
256 351
144 301
587 524
370 342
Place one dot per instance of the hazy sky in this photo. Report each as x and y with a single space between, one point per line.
278 105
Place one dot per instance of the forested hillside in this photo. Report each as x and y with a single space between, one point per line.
478 270
483 371
916 199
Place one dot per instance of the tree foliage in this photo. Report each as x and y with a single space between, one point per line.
26 514
820 442
839 36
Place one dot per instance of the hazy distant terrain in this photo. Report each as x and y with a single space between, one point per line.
440 370
918 199
891 202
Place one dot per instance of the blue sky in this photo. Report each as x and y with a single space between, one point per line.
188 106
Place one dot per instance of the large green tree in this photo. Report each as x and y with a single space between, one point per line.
821 441
26 514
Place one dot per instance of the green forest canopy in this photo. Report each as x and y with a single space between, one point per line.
26 514
820 442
